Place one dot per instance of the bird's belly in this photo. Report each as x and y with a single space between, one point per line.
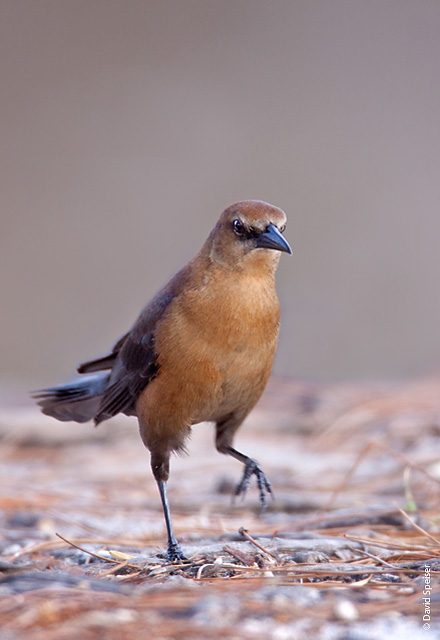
240 373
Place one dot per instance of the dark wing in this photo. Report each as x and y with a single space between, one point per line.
134 368
134 363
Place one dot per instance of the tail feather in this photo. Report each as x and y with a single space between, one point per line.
100 364
78 401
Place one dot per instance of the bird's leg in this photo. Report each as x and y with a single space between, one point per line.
225 430
174 552
251 467
160 466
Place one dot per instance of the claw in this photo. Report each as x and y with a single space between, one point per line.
253 468
175 554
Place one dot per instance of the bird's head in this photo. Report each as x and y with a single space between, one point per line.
249 233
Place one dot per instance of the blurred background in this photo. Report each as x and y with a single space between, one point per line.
127 126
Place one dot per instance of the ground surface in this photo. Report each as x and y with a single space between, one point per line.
345 551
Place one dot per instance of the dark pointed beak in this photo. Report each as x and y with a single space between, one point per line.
272 238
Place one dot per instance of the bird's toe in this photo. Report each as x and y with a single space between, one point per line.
253 468
175 555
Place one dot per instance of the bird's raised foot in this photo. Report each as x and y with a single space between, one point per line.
253 468
175 554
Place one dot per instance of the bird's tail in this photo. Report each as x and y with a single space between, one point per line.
78 400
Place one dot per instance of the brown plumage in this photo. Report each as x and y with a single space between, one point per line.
201 350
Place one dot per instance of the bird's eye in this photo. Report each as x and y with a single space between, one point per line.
238 227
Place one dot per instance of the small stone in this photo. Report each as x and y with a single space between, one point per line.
346 611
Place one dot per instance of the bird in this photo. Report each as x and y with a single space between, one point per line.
202 350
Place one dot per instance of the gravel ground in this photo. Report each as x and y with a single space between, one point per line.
345 551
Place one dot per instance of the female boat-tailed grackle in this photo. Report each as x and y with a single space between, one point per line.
201 350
